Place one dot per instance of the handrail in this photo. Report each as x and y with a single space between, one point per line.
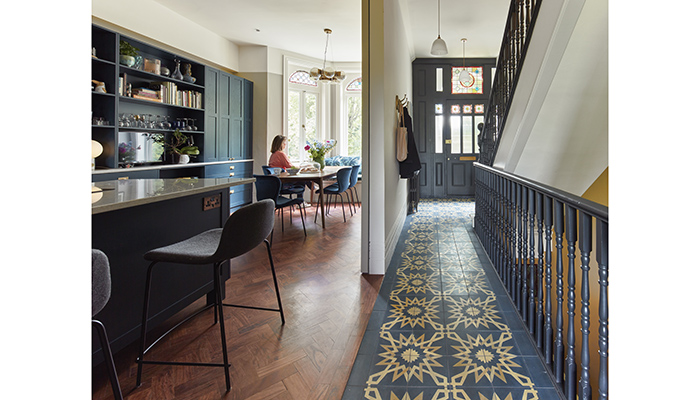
596 210
522 15
519 222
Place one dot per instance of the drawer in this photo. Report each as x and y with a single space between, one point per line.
126 174
241 194
232 170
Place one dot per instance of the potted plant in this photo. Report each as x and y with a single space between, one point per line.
180 146
127 53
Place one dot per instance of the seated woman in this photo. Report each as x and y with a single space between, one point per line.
278 158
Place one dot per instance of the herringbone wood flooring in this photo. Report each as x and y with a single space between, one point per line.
327 303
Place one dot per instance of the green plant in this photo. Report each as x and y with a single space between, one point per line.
126 49
179 143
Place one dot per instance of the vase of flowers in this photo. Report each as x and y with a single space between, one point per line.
318 150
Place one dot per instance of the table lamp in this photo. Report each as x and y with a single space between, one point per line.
96 151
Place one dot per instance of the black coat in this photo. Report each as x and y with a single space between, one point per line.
409 167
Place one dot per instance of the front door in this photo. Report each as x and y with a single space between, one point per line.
446 126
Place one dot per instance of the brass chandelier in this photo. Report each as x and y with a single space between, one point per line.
327 73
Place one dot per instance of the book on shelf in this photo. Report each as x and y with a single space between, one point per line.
136 96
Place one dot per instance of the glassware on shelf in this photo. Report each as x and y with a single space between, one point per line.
177 74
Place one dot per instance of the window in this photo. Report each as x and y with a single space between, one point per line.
316 111
472 81
302 115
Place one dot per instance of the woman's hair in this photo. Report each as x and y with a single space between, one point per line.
277 143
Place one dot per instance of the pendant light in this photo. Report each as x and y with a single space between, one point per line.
465 78
439 48
326 74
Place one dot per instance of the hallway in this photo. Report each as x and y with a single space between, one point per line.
442 325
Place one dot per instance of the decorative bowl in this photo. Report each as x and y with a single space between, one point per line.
292 171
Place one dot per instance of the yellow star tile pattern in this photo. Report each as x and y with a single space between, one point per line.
443 334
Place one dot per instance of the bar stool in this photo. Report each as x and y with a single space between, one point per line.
101 292
244 230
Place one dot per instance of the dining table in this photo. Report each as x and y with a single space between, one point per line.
318 177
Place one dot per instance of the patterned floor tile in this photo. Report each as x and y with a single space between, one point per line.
442 327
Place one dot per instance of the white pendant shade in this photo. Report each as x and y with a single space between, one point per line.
439 47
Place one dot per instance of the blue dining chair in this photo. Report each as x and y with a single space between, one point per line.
287 188
268 187
337 189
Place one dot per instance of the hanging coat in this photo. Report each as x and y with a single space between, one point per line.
409 166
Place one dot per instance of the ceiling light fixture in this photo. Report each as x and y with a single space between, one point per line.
465 78
327 74
439 48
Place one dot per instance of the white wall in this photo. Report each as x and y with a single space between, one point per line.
153 20
386 73
557 128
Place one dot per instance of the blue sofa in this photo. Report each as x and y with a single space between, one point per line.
344 161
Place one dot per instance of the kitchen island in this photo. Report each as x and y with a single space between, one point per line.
133 216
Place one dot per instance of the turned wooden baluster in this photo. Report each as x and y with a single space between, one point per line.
548 331
559 337
523 258
540 265
531 263
571 237
519 241
585 245
602 258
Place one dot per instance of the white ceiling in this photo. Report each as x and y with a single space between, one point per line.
297 26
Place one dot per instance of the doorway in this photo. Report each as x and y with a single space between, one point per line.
447 113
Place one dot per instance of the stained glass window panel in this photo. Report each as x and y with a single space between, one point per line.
454 109
438 108
355 85
479 108
469 82
467 109
302 78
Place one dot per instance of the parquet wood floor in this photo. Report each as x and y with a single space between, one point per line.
327 304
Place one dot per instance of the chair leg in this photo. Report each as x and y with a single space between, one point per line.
342 204
282 219
274 279
359 203
301 216
144 319
349 203
109 359
219 305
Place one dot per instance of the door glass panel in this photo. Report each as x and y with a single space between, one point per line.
293 125
438 79
310 116
455 135
479 119
438 134
467 130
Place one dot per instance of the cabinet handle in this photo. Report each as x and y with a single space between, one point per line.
232 167
231 192
232 174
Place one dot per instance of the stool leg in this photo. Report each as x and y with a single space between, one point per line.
144 319
219 305
274 279
109 360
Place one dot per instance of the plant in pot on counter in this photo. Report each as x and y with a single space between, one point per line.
127 53
180 145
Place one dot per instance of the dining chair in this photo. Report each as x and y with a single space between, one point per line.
268 187
337 189
243 231
287 189
101 292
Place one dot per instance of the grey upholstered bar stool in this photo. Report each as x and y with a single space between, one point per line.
101 292
244 230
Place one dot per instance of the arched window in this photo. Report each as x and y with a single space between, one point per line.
355 85
302 78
